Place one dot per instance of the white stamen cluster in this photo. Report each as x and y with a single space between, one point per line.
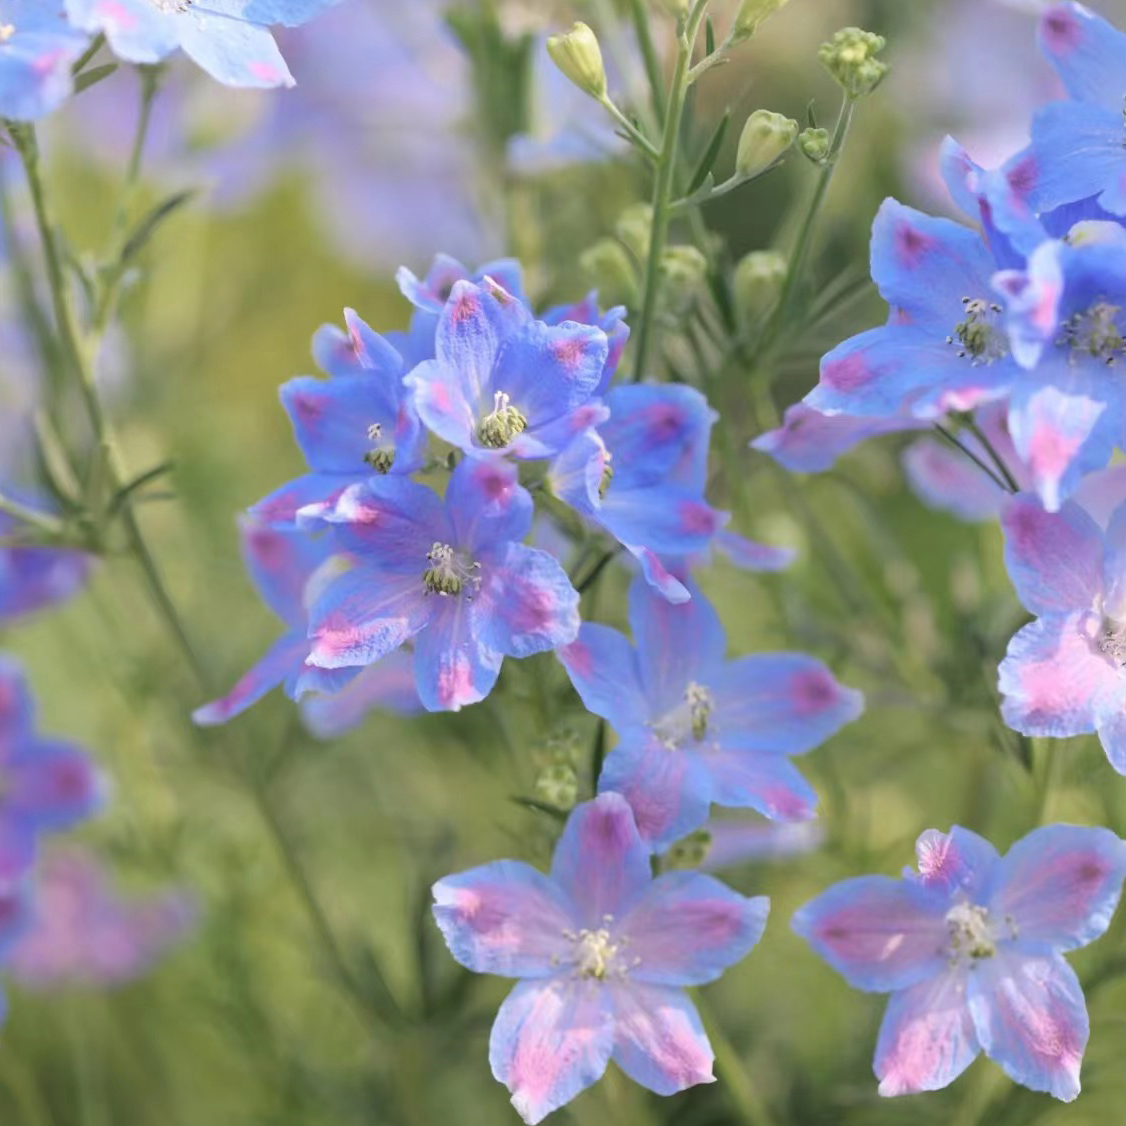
1111 641
381 456
977 337
973 933
1094 333
598 954
497 429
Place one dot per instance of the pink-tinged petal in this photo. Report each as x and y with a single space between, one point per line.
881 934
740 840
1060 885
282 660
475 322
659 1041
600 860
1055 559
17 711
282 506
1101 493
958 861
17 857
51 785
388 685
137 31
280 562
364 615
602 666
658 575
1054 680
234 52
752 556
1110 723
487 504
1114 566
453 665
785 703
1088 53
688 928
505 918
769 783
551 1040
946 479
445 402
810 442
669 792
676 644
526 604
1031 1018
356 352
927 1038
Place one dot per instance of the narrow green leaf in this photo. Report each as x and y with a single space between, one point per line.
126 491
811 116
539 807
148 226
709 37
93 76
710 154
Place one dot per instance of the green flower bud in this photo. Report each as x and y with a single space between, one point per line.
751 13
683 269
689 852
765 138
814 144
577 54
850 57
609 267
635 228
759 278
558 785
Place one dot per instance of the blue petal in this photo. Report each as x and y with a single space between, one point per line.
959 862
285 657
17 708
1079 153
454 666
487 505
603 668
136 29
280 562
1088 53
388 686
233 52
769 783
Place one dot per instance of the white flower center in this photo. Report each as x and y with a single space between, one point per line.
973 934
1094 333
598 954
689 719
381 456
978 337
450 572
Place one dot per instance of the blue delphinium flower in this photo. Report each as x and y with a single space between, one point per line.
37 50
46 785
502 382
641 476
1065 673
695 728
1079 145
230 39
612 322
970 950
604 952
362 419
450 573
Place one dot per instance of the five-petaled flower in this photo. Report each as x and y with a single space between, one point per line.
230 39
450 573
695 728
1065 673
970 950
604 951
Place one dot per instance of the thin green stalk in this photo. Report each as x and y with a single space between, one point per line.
979 462
649 56
1010 482
750 1109
805 233
663 187
635 134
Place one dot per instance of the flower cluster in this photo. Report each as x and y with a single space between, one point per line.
360 558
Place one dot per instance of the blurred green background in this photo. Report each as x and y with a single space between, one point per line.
247 1023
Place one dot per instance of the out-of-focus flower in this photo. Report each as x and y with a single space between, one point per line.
604 951
1077 144
750 838
362 419
695 728
37 50
504 382
230 39
81 931
1065 673
452 574
46 785
31 577
970 950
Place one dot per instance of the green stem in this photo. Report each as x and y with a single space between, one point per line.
1010 482
663 187
979 462
747 1102
648 55
805 233
634 134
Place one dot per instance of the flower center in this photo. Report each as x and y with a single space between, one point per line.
690 717
598 954
450 572
971 933
171 5
700 705
1111 641
7 30
1094 333
607 476
978 337
381 456
501 424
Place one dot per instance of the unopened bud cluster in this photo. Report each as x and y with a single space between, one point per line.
850 57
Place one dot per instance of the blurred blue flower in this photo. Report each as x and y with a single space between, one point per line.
695 728
1065 673
37 50
33 577
229 39
502 382
47 785
450 574
1077 145
604 951
970 950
